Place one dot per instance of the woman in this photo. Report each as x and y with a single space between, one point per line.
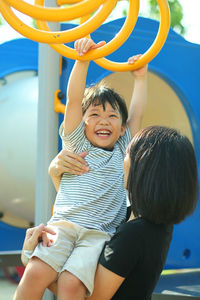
160 174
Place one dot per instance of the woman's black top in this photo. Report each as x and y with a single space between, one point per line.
137 252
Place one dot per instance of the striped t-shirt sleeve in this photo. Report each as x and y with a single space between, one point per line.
125 140
75 141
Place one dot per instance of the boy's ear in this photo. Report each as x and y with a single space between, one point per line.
123 129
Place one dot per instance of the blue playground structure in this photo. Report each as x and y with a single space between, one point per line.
174 92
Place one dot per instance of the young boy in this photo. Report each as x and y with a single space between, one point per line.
88 208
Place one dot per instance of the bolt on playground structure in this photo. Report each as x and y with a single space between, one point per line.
83 9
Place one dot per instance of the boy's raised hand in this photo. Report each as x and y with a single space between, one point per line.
83 45
139 72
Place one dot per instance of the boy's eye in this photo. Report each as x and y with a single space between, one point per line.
113 116
94 115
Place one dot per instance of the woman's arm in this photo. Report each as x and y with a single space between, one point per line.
67 162
106 284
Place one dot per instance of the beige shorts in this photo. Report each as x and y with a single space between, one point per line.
75 249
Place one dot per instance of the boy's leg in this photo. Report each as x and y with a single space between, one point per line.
83 260
70 287
37 276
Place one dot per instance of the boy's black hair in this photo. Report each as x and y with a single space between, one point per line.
100 95
162 182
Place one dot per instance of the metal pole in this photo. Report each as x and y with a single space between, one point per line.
47 130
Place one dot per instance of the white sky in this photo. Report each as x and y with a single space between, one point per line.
191 20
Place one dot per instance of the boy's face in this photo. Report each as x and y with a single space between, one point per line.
103 127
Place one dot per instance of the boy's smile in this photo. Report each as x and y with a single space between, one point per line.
103 127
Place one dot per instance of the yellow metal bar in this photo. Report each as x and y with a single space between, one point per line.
151 52
80 31
59 107
114 44
61 2
55 14
56 37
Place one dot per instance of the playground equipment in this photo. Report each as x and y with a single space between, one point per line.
81 9
173 101
180 110
22 107
18 100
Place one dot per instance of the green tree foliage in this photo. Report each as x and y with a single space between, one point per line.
176 12
1 21
34 25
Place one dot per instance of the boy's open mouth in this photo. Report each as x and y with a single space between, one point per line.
103 132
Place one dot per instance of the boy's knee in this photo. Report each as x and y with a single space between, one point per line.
69 284
36 270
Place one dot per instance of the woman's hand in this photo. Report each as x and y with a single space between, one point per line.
139 73
37 234
68 162
33 237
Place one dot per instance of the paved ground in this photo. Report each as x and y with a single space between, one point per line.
186 283
7 289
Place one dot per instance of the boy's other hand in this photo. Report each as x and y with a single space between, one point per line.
141 72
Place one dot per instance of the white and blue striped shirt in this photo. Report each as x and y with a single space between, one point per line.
97 199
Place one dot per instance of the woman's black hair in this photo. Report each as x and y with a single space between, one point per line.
163 180
100 95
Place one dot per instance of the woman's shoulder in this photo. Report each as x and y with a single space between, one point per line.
141 227
138 235
137 223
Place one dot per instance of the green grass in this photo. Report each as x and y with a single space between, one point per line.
178 271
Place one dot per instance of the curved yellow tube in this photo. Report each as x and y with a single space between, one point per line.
58 105
56 14
61 2
151 52
121 37
56 37
79 9
114 44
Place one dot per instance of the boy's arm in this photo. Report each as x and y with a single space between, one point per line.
75 93
76 86
139 98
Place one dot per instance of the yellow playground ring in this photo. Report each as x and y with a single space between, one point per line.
56 14
56 37
82 8
151 52
114 44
